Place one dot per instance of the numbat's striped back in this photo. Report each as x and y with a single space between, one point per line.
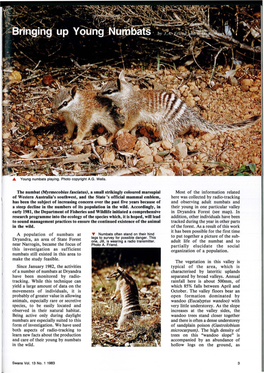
171 115
126 289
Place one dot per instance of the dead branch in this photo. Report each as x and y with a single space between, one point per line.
174 31
229 40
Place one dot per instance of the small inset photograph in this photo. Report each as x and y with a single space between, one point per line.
126 297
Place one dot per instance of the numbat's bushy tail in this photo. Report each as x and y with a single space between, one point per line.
126 289
171 115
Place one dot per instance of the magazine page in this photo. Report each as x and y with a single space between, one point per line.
109 239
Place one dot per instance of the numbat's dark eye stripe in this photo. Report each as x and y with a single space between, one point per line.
65 103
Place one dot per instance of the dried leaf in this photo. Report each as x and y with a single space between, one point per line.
125 171
15 77
6 135
77 158
33 119
229 74
30 141
47 80
29 155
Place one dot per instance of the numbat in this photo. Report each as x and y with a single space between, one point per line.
126 289
171 115
84 109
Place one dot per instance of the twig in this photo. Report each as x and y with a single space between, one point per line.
37 65
228 39
95 152
20 50
32 77
161 41
215 59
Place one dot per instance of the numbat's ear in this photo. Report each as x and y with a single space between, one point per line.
122 83
73 91
122 76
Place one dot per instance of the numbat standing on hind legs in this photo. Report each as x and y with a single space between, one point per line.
171 115
84 109
126 289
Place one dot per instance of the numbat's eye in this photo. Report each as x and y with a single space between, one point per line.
109 91
65 103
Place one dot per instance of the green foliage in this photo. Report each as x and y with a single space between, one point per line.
247 170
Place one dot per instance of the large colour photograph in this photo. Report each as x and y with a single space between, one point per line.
131 90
